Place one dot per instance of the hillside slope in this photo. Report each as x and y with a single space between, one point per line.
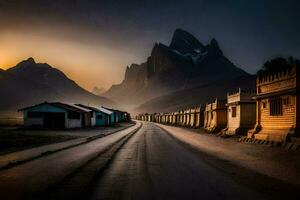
29 83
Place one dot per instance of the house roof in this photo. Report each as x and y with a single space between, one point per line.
82 108
89 107
114 110
104 110
98 109
57 104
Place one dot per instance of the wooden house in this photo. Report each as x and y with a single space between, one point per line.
177 117
56 115
180 118
196 117
117 115
103 117
160 116
207 115
187 117
174 116
241 112
277 106
183 118
217 116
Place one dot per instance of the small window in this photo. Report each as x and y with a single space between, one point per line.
233 113
275 106
264 105
99 117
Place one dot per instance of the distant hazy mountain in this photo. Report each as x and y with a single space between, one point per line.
30 82
185 64
98 91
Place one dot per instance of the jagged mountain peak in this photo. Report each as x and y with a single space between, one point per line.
214 48
29 63
30 60
184 42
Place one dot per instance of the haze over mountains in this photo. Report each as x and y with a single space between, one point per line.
185 73
186 70
29 82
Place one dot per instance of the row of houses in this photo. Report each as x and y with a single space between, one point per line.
271 112
57 115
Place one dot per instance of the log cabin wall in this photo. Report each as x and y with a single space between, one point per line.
285 120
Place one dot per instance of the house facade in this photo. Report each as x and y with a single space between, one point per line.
277 106
196 117
216 116
207 115
241 112
53 116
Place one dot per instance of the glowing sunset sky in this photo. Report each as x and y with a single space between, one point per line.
93 41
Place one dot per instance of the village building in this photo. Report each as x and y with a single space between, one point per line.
56 115
196 117
103 117
177 118
170 118
184 117
167 118
216 116
162 118
277 106
181 118
174 115
159 117
241 112
156 117
117 115
207 115
187 117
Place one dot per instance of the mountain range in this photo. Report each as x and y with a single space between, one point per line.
184 68
29 83
184 73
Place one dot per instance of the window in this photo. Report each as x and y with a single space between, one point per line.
233 113
264 105
35 114
275 106
73 115
99 117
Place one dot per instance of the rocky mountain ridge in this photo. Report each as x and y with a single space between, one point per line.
186 63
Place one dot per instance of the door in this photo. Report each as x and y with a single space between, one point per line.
54 120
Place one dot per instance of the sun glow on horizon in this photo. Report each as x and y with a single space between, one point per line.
88 65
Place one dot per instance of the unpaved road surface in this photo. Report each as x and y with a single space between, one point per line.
147 164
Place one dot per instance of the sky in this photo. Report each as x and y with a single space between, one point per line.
93 41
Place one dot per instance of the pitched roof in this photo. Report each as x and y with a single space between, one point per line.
56 104
82 108
89 107
104 110
114 110
97 109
